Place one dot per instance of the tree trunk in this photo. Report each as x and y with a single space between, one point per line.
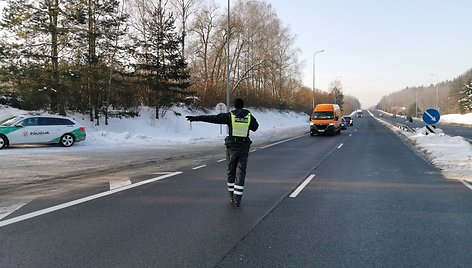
57 104
91 63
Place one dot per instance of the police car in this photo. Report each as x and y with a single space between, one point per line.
32 129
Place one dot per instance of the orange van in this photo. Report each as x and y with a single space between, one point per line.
326 119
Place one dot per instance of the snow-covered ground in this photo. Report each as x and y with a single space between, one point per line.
453 155
465 119
173 129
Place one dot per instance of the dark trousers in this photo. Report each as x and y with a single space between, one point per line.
236 156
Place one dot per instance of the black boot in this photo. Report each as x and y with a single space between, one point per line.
237 200
231 196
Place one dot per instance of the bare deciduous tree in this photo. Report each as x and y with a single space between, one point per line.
185 9
204 29
336 92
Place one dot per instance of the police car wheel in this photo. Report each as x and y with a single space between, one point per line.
67 140
3 142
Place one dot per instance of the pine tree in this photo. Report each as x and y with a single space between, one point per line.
466 97
160 64
98 27
38 37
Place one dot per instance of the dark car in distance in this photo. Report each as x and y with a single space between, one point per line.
349 120
343 124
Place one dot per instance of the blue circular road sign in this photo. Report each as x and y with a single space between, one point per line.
431 116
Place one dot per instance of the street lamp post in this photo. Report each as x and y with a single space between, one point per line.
416 102
313 89
437 91
227 63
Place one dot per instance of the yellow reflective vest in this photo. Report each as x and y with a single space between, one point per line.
240 126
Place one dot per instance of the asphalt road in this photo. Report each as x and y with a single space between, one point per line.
373 202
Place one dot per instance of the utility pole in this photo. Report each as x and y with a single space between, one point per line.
228 89
437 91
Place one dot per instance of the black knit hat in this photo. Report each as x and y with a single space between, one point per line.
238 103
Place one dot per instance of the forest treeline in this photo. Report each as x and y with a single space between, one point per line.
450 97
97 56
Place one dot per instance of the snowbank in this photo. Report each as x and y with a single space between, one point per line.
172 128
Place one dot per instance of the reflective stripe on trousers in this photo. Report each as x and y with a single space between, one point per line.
230 187
238 190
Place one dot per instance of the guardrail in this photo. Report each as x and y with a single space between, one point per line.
403 127
409 129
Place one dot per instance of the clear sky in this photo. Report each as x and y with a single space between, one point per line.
375 47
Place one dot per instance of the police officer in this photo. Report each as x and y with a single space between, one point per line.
240 121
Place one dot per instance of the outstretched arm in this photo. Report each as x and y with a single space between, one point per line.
222 118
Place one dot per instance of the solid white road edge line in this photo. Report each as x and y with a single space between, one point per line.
466 184
340 145
221 160
300 188
199 167
267 146
118 184
82 200
161 173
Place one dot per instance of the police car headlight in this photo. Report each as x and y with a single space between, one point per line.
311 123
331 124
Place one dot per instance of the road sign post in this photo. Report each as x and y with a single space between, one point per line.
430 129
220 108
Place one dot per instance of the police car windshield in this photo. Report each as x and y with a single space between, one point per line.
322 115
10 121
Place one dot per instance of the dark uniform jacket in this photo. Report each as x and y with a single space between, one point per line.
225 118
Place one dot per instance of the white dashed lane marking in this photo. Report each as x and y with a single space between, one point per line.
302 186
202 166
118 184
